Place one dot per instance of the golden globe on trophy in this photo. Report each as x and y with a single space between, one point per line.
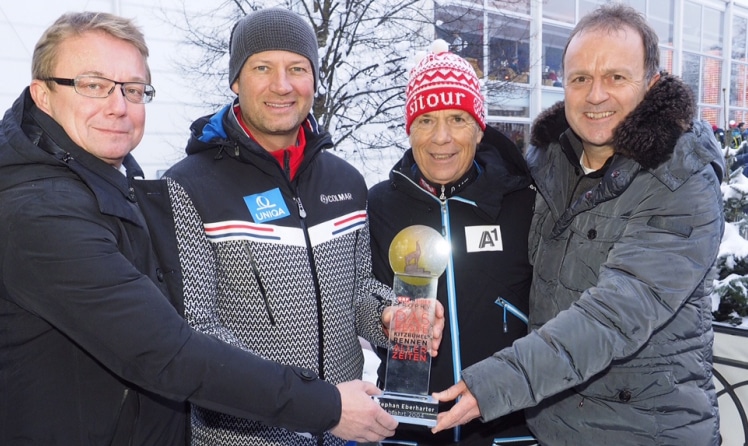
418 256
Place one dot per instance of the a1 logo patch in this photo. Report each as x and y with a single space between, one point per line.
483 238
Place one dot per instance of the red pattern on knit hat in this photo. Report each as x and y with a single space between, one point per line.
443 81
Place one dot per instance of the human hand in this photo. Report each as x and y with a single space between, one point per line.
389 312
437 328
361 418
437 324
464 411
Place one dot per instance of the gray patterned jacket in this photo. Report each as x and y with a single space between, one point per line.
277 267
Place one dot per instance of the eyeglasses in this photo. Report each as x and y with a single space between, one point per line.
428 123
101 87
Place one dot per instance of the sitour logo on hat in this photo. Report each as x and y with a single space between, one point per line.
443 81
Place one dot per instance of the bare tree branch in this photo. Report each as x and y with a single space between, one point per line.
366 48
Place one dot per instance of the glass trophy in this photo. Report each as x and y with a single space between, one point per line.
418 256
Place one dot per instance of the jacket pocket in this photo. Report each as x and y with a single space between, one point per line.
256 275
126 419
592 236
636 387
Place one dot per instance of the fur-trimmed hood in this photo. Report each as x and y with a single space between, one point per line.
648 135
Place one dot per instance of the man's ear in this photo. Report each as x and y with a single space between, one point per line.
235 87
40 94
654 80
480 136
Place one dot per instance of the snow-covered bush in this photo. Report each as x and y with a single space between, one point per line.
730 297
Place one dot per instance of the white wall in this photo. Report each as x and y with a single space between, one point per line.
173 109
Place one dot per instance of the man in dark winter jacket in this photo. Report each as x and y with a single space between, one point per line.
480 198
93 349
272 229
626 230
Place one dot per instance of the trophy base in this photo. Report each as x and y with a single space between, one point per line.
410 409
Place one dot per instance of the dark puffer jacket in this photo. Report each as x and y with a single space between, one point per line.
93 350
621 348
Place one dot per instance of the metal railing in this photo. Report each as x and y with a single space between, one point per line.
730 389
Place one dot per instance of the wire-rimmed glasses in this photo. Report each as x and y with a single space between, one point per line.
101 87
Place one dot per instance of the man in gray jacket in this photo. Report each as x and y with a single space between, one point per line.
626 230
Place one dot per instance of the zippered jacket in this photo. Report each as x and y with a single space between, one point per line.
277 267
93 348
487 224
621 345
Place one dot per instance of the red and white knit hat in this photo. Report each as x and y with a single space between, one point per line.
443 81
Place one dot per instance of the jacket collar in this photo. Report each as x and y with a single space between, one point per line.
647 135
42 132
222 134
502 170
649 138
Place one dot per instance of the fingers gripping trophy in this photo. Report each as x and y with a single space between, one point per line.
418 256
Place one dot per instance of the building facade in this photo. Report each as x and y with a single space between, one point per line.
175 106
516 46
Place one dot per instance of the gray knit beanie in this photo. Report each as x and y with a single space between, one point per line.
271 29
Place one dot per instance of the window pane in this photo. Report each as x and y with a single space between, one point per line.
739 25
712 32
507 99
691 70
518 133
561 10
738 77
550 97
710 115
692 23
666 59
463 29
711 84
521 6
586 6
554 41
639 5
509 48
739 116
661 18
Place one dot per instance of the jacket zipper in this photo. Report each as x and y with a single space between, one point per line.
318 294
287 164
454 326
317 290
507 306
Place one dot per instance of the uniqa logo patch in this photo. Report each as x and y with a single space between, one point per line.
267 206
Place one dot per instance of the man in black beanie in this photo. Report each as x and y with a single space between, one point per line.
273 233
